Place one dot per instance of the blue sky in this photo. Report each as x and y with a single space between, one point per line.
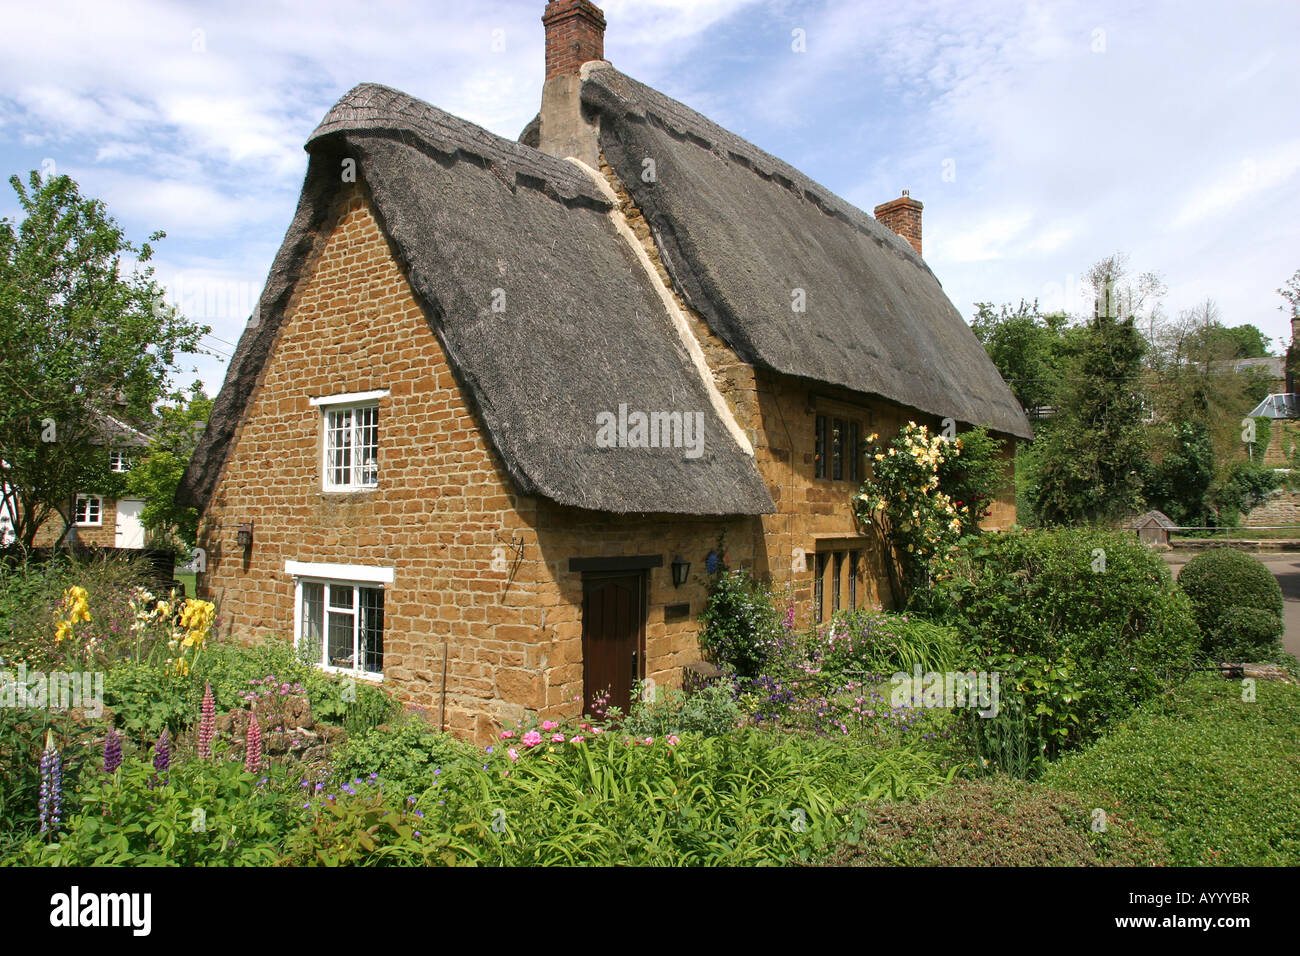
1040 136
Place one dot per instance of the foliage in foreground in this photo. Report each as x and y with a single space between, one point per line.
1084 625
994 821
1212 775
592 798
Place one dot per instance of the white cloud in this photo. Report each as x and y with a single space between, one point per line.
1172 144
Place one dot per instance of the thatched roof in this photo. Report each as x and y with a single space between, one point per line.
739 231
583 332
1159 518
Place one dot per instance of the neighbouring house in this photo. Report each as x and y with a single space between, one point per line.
100 519
500 401
1270 368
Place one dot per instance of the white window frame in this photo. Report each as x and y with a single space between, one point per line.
336 575
99 511
353 402
117 458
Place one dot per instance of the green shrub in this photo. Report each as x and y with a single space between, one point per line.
367 824
1245 634
876 642
406 758
1037 715
710 711
199 812
744 798
145 698
1093 615
31 594
996 821
741 626
22 738
1223 578
1210 773
355 704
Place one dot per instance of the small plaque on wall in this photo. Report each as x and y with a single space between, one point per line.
676 612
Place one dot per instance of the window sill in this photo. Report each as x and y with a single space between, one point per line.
367 676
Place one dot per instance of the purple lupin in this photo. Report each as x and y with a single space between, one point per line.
112 751
51 800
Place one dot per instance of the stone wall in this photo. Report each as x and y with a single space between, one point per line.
103 535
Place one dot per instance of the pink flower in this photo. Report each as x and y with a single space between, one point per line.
648 741
549 725
577 740
207 724
531 739
673 740
557 738
507 734
253 746
513 754
597 730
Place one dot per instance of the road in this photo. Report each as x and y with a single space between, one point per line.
1286 568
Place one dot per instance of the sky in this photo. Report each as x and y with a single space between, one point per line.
1040 136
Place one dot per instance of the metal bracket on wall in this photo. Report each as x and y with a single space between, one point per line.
514 544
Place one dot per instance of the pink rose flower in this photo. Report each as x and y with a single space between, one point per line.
507 734
648 741
513 754
673 740
549 725
531 739
557 738
577 740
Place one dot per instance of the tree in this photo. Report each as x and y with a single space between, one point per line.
83 330
1290 292
156 475
1026 347
1094 453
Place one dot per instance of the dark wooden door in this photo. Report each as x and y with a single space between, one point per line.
613 636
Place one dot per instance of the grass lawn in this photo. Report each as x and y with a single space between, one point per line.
1214 778
1196 777
186 578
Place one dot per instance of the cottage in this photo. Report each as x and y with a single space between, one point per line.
99 519
500 400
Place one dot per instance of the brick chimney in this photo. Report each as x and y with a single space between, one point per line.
903 215
575 37
575 34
